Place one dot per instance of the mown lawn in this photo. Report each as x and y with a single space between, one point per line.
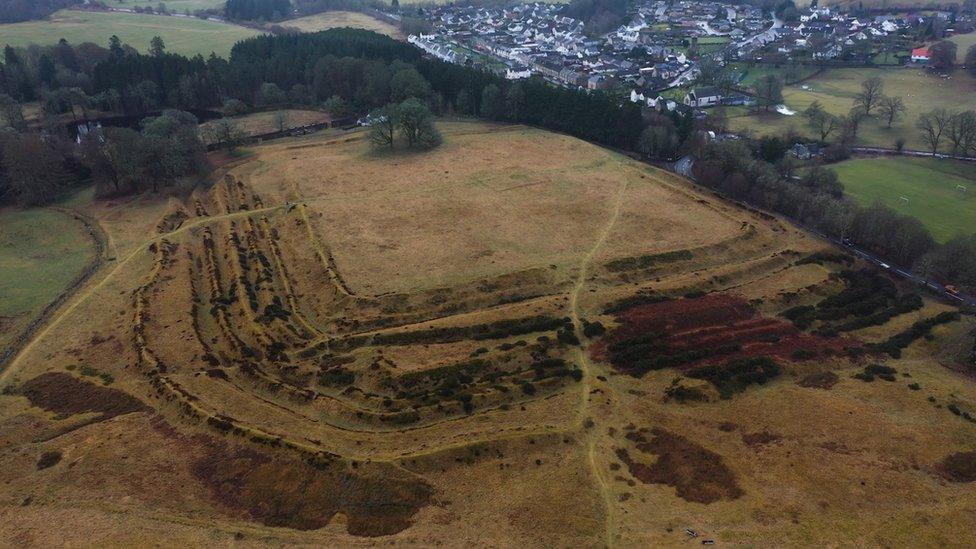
185 35
835 90
929 184
41 252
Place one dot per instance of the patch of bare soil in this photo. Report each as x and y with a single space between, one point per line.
287 492
697 474
67 395
958 467
822 380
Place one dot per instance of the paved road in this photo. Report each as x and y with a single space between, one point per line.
683 167
908 152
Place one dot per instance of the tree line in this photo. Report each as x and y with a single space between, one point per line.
15 11
347 71
815 198
35 167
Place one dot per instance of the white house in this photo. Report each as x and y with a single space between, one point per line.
707 96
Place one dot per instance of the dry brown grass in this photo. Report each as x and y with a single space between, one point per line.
265 122
336 19
314 258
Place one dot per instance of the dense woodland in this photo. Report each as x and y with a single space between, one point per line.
257 10
355 72
15 11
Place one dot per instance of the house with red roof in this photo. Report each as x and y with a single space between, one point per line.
921 55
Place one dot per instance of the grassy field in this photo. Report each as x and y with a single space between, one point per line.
333 19
264 122
331 346
835 90
172 6
41 252
188 36
964 42
754 73
929 184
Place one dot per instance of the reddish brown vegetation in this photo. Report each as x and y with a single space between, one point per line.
958 467
285 491
697 474
722 326
822 380
67 395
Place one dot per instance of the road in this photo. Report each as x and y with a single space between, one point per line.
683 167
909 152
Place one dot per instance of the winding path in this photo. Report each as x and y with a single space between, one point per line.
592 430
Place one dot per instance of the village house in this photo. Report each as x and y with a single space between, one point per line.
921 55
706 96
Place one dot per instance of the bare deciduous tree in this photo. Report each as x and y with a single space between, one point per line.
891 108
933 125
872 91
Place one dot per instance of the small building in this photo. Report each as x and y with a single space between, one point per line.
921 55
707 96
805 151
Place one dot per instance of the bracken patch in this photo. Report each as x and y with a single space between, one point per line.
822 380
686 333
958 467
67 395
284 491
697 474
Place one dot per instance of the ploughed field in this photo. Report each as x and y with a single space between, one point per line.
515 339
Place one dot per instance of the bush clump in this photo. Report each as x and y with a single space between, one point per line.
880 371
734 376
647 261
894 344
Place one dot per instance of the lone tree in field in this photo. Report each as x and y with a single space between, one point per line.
769 91
821 121
970 60
382 131
871 94
943 54
417 124
280 120
933 125
852 123
891 108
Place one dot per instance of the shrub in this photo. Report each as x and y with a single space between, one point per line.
49 459
734 376
566 336
804 354
593 329
528 388
647 261
894 344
